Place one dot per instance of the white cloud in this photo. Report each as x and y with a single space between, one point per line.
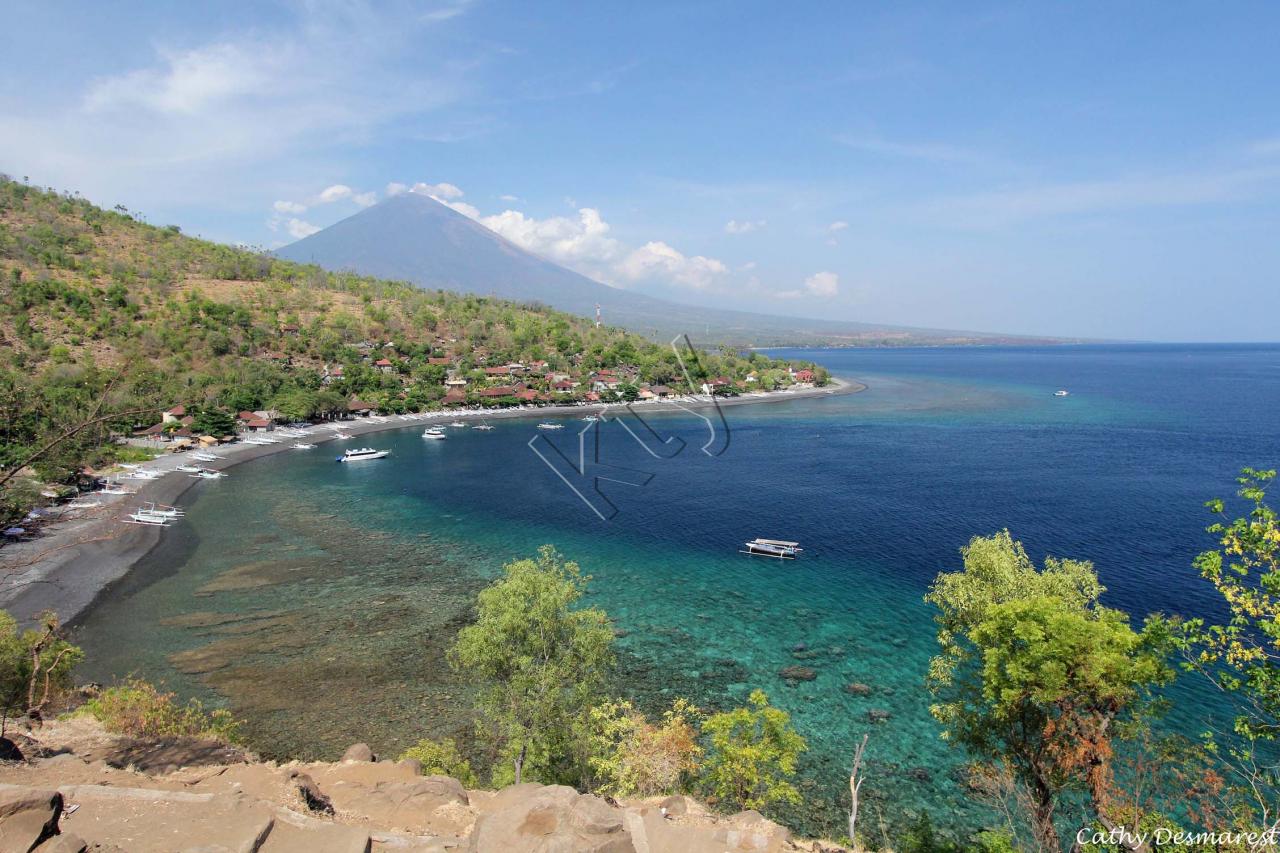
289 207
223 118
509 198
658 261
299 228
365 199
733 226
337 192
824 284
820 285
437 191
838 225
396 188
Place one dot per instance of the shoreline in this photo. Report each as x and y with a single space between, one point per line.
81 559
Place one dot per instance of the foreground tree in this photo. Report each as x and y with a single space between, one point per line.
35 667
1034 676
542 662
1241 657
751 754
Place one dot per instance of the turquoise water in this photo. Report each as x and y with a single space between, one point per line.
317 599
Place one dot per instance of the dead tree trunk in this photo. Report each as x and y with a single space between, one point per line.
855 786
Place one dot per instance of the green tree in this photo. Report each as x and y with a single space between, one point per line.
1034 677
215 422
541 661
35 666
751 754
1242 656
441 758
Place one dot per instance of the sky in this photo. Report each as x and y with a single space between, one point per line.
1085 169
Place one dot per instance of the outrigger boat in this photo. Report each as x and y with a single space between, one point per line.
482 426
206 457
190 469
206 474
550 425
161 510
302 445
142 516
362 454
458 424
779 548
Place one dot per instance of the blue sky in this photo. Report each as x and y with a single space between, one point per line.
1075 169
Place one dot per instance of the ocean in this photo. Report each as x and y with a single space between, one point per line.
317 600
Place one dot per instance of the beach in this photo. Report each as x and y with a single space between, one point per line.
78 559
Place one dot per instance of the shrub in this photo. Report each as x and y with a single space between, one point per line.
752 754
139 709
634 757
441 758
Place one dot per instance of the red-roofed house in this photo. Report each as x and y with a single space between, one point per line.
498 391
173 414
497 372
454 395
384 365
361 408
803 375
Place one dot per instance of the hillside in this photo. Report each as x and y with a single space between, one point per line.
95 298
414 238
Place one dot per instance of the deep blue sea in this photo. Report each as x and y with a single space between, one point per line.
317 599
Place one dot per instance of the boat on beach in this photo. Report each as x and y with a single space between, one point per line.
779 548
206 474
362 454
302 445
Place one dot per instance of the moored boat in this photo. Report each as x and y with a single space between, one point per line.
362 454
550 425
434 434
779 548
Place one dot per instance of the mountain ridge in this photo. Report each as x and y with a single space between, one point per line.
414 238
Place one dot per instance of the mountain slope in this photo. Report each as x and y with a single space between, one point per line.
413 238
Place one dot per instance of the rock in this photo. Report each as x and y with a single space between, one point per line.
359 752
675 806
549 818
430 804
798 673
799 647
27 817
311 794
857 688
64 843
9 751
920 774
878 715
413 764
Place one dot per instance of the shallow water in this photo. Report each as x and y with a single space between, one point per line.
317 599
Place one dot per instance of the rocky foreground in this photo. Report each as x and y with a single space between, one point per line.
80 788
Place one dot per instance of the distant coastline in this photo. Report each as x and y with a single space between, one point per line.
88 556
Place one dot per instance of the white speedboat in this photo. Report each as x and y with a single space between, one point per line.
302 445
362 454
1061 393
550 425
434 434
591 418
458 424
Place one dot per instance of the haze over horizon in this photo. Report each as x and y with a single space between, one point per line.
998 167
